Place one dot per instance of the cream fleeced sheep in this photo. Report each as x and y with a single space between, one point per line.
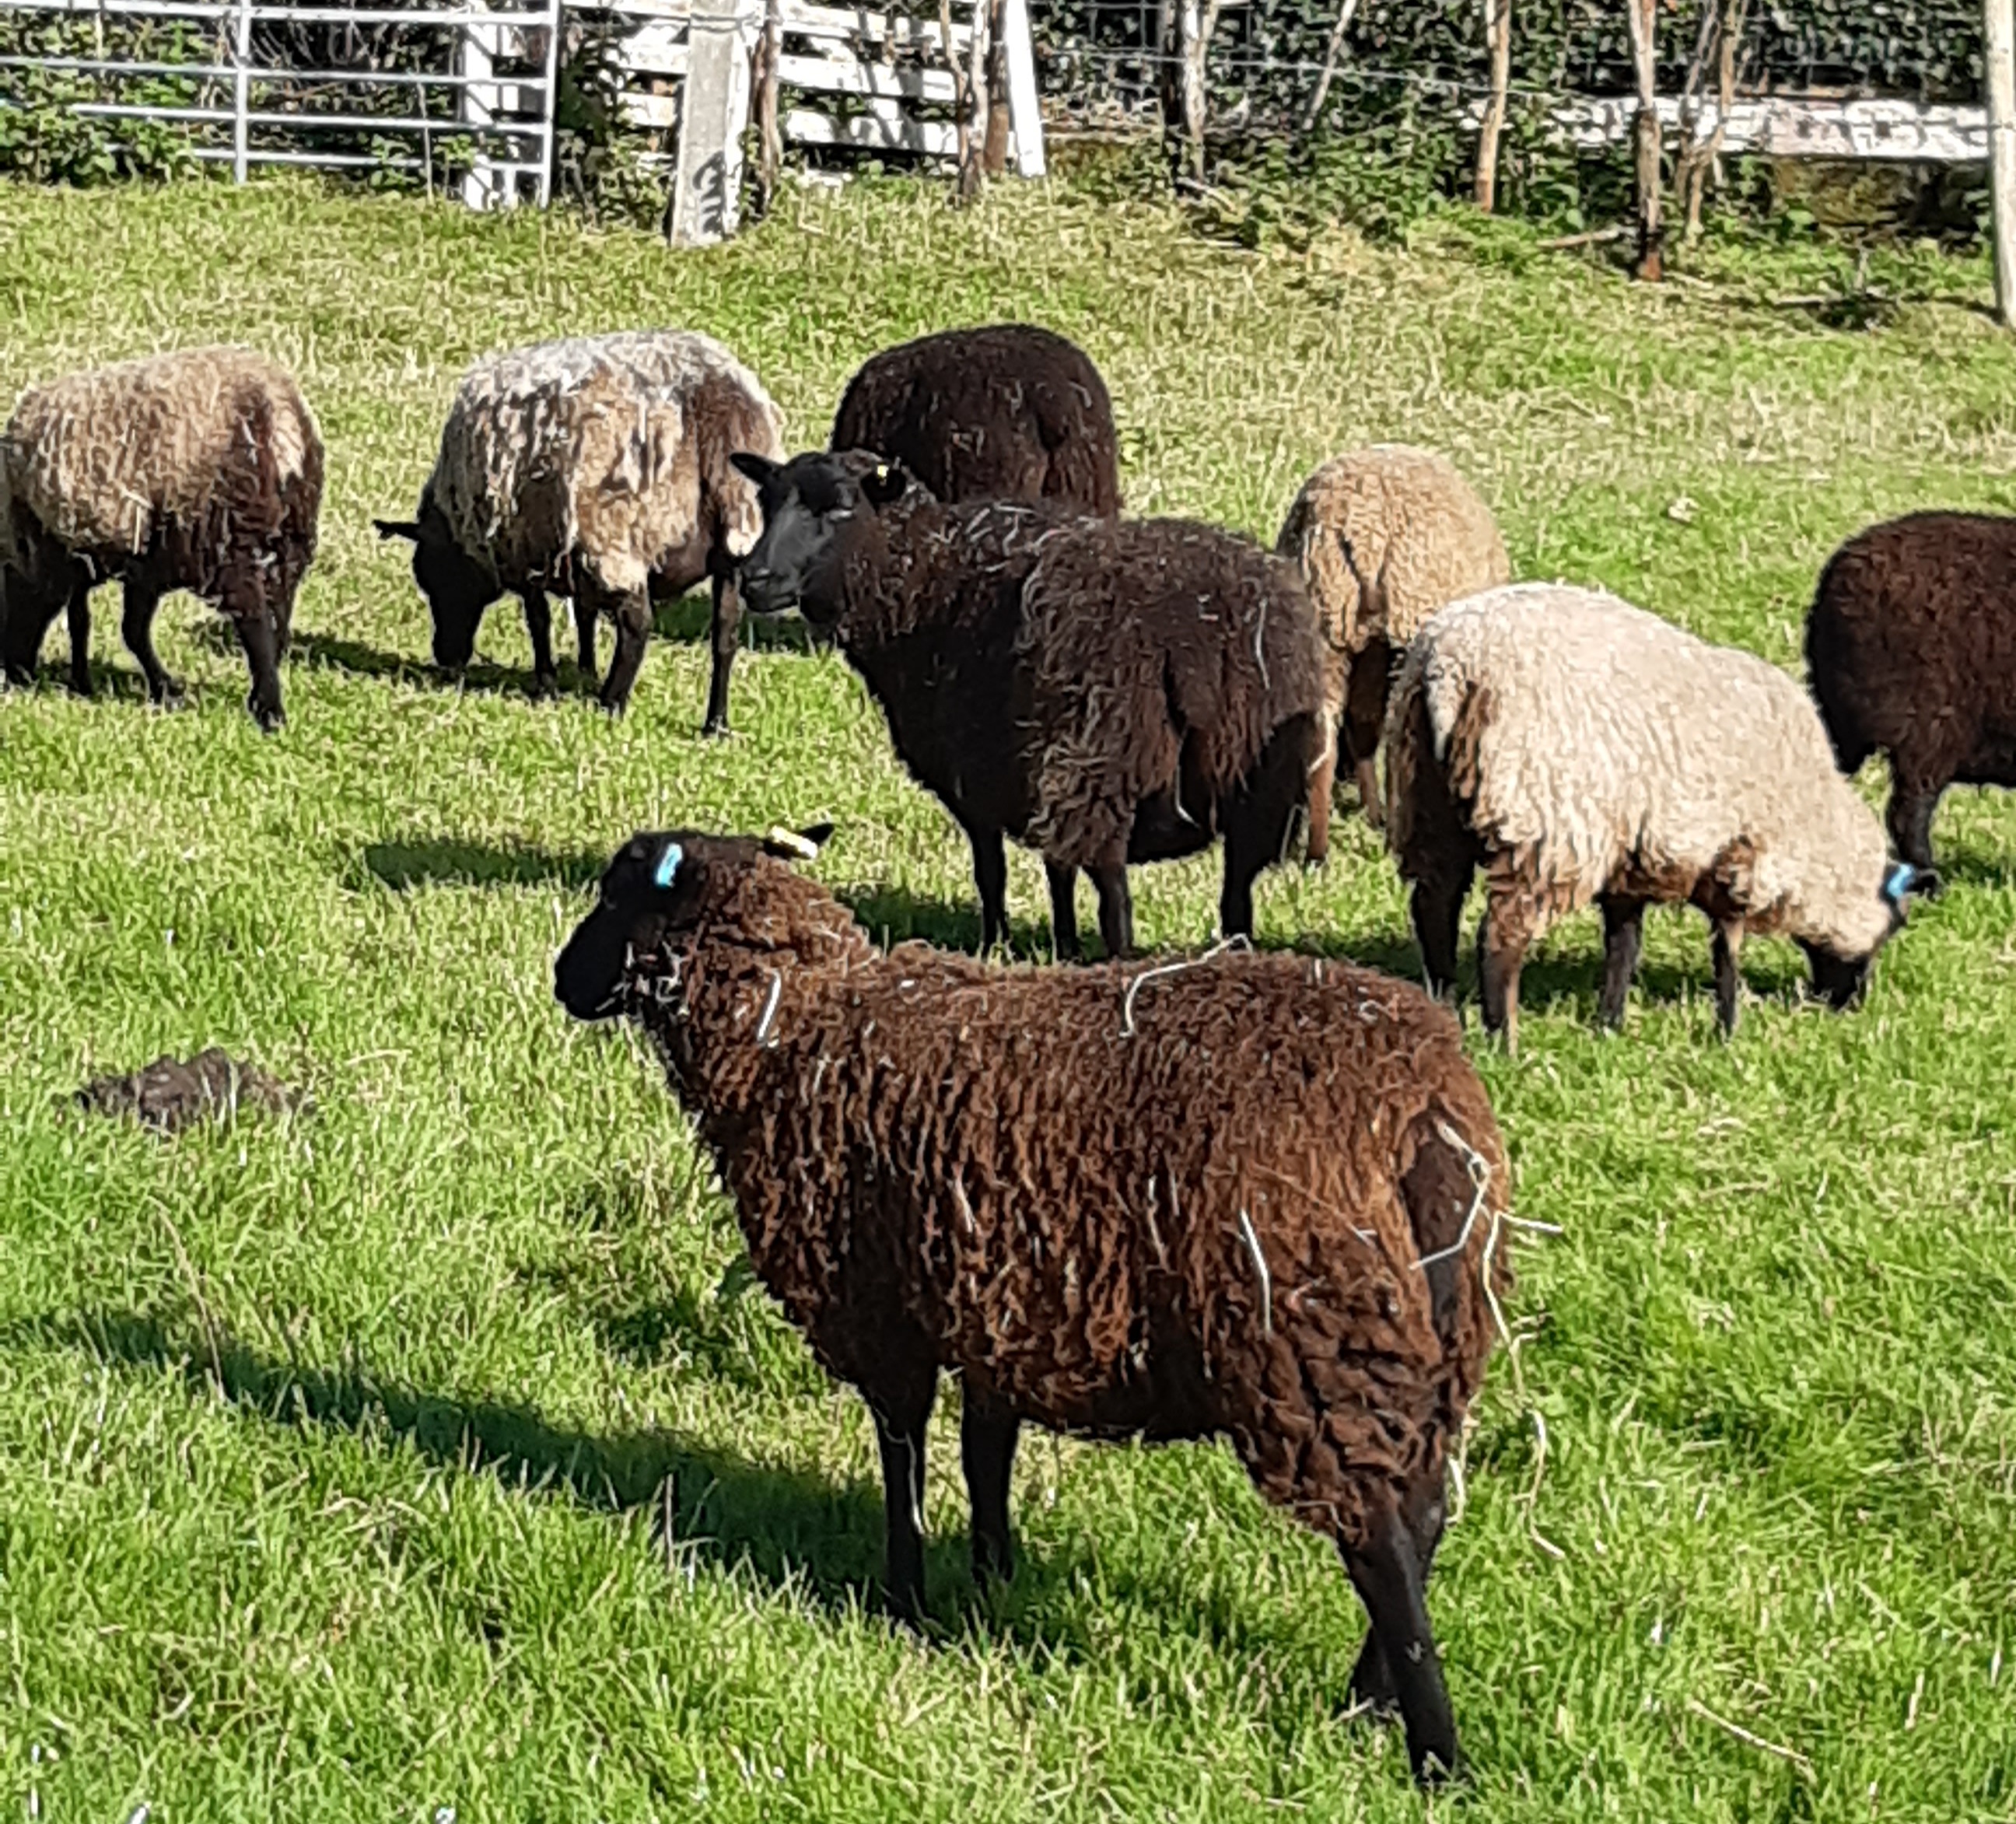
596 467
1584 752
1385 536
200 470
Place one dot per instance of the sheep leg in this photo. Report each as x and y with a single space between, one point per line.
584 634
1116 908
256 633
1063 879
1371 1682
901 1415
987 1437
79 636
724 632
1387 1572
539 625
1912 806
990 876
633 622
1501 949
1365 721
1437 908
1623 934
1728 946
136 627
1322 782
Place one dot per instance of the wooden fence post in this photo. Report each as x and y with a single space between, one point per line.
1999 50
1643 17
706 200
1025 113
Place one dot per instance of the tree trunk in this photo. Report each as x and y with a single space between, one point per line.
1642 18
1346 12
1498 29
770 152
994 158
1196 22
1999 51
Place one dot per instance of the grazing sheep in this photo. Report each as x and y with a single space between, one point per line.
1911 647
1582 750
1385 536
199 470
1250 1195
596 467
1006 412
1106 691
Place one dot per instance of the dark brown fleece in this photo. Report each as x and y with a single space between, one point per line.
1006 412
1911 647
1045 1180
1164 656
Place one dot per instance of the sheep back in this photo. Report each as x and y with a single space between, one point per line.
1166 1201
1162 654
1911 647
602 458
211 452
1006 411
1593 748
1385 536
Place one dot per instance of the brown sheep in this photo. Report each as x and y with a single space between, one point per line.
1384 535
1911 650
1254 1196
1008 411
199 470
596 466
1106 691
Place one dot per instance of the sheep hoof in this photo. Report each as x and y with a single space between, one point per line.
173 694
716 730
544 685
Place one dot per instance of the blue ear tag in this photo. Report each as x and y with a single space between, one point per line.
1899 882
669 858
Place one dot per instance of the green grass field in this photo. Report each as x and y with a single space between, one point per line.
336 1454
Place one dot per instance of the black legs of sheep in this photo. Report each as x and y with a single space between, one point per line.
1913 805
1399 1668
987 1436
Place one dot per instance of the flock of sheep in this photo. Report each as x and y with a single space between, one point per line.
1256 1195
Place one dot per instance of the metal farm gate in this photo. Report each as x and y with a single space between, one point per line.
468 90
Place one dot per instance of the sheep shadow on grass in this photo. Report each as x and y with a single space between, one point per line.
688 620
481 676
791 1529
428 861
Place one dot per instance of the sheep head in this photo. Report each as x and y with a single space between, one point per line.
1841 980
817 509
662 885
457 587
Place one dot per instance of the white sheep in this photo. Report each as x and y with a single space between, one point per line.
1583 751
596 467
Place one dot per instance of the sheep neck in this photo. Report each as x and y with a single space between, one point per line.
775 944
922 566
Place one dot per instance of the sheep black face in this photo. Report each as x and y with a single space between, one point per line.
1841 981
811 505
659 884
457 590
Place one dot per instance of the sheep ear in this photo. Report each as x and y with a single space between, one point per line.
884 483
398 529
796 845
757 468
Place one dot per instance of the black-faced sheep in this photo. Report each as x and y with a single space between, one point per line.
1006 412
596 467
199 470
1911 650
1385 536
1106 691
1582 751
1251 1195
